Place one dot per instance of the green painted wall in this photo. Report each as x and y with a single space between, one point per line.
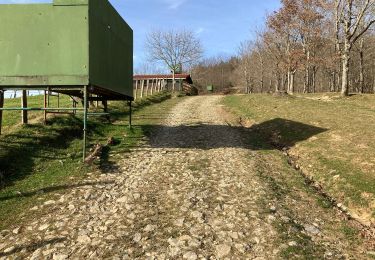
111 49
68 43
42 44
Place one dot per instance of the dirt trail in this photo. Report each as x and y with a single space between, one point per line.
191 192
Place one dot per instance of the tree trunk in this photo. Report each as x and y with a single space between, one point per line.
313 80
262 76
361 67
333 79
174 80
277 85
306 87
345 71
291 82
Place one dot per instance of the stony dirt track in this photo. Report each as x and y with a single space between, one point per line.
190 192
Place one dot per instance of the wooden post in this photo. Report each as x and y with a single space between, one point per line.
136 90
24 105
152 86
142 87
1 106
147 87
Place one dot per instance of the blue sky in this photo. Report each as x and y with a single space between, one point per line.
220 24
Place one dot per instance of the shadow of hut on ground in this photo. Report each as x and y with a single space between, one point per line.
274 134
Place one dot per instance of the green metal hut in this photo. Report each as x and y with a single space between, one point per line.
82 48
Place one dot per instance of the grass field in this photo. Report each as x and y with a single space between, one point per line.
38 160
330 138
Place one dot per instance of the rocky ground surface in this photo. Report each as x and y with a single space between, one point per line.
190 192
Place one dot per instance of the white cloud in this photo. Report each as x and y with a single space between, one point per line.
174 4
200 30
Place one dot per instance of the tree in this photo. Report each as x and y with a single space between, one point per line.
283 25
353 19
174 48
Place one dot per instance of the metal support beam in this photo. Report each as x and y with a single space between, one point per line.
130 114
24 105
1 106
45 106
85 105
39 109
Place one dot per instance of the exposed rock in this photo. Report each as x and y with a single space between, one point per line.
222 250
311 229
84 239
50 202
190 256
43 227
137 238
59 257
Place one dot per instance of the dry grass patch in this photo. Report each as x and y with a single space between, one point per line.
341 158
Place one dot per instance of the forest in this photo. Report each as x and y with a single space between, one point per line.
307 46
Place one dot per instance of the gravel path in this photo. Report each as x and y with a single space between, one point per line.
190 192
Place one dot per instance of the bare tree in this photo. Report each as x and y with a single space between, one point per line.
354 18
174 48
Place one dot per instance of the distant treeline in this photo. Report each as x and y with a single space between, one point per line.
306 46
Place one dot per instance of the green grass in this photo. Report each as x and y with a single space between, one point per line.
37 160
331 138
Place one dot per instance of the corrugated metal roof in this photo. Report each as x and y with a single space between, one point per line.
186 77
177 76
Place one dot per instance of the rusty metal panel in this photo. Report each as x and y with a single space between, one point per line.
43 44
111 49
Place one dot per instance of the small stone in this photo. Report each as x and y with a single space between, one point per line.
43 227
292 243
149 228
122 199
111 237
184 238
137 237
179 222
256 240
71 207
50 202
271 218
84 239
222 250
312 229
241 248
16 230
233 235
131 216
273 209
59 257
48 252
9 249
190 256
172 242
34 208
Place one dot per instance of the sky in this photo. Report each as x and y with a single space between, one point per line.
220 24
